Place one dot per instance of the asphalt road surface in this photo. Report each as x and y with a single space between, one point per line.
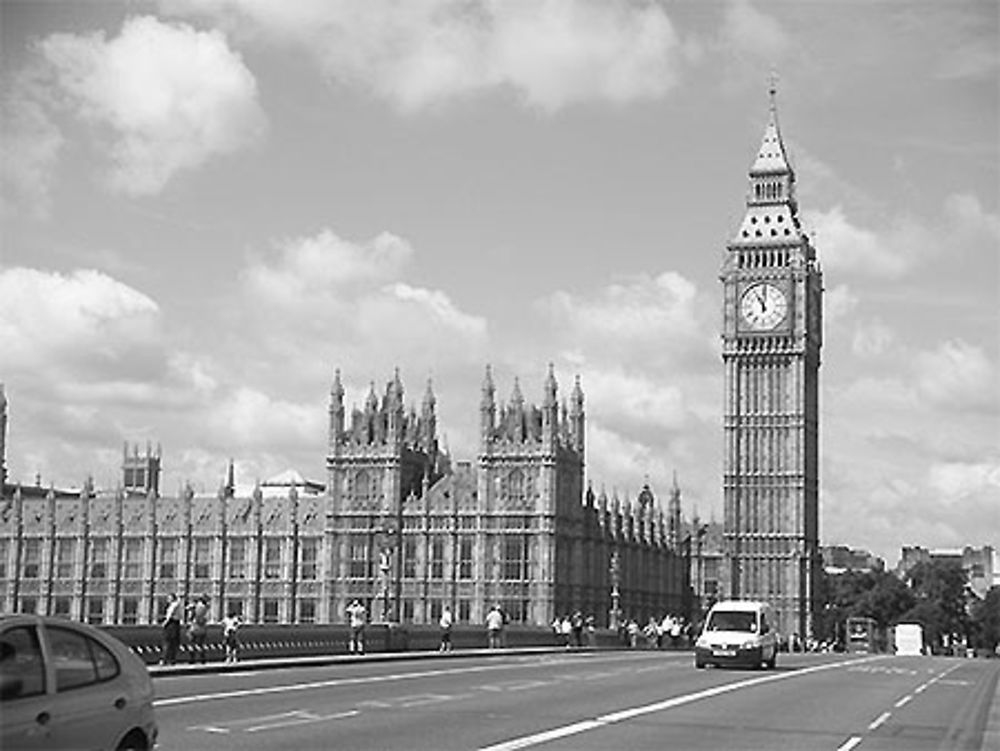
589 700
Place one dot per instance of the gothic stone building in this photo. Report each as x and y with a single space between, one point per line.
398 526
772 335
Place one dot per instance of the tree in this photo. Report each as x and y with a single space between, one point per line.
940 590
986 621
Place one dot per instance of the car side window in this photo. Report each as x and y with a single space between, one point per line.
22 670
78 659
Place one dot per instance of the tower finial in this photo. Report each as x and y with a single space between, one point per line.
772 89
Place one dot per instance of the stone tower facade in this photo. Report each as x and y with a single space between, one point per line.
531 464
772 335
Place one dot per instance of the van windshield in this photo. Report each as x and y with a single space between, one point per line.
732 620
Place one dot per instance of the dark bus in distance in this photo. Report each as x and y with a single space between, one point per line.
860 635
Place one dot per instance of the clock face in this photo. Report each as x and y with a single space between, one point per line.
763 306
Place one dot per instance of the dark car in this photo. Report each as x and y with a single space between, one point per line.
65 684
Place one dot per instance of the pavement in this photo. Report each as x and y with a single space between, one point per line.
189 668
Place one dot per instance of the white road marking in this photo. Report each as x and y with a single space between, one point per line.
904 701
849 743
305 718
421 699
879 720
628 714
239 693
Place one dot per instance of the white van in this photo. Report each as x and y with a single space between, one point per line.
737 632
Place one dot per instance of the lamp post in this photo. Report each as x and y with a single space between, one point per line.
700 577
615 570
384 544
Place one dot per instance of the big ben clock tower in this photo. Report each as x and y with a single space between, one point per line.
772 334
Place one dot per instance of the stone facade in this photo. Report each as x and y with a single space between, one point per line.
398 525
772 335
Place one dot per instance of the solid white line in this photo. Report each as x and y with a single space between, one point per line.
628 714
238 693
849 743
879 720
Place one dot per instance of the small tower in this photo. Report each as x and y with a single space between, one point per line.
141 473
674 515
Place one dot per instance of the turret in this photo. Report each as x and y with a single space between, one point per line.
550 408
336 411
577 427
487 409
674 515
428 419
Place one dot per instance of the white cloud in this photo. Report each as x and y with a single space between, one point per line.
552 53
955 482
50 320
636 398
354 300
326 264
848 248
662 310
249 418
957 375
965 214
748 30
872 339
172 97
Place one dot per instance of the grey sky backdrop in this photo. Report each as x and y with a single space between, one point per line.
209 206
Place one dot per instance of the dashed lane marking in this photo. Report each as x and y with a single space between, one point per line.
627 714
877 722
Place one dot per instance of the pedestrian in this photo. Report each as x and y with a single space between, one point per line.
198 630
566 629
356 616
494 627
591 628
676 631
633 633
445 626
577 626
651 632
230 625
171 630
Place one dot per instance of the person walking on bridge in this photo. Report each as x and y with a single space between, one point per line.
356 616
494 627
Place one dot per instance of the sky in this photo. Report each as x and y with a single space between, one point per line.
210 207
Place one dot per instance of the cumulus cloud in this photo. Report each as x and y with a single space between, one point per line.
845 247
958 375
353 296
749 31
51 320
872 339
641 311
956 481
326 264
551 53
169 96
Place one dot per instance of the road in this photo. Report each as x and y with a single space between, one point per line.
588 700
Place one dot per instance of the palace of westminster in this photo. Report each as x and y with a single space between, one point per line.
407 530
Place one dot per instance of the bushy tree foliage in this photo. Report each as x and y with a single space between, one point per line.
940 589
986 621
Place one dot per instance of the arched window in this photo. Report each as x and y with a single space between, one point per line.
516 489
